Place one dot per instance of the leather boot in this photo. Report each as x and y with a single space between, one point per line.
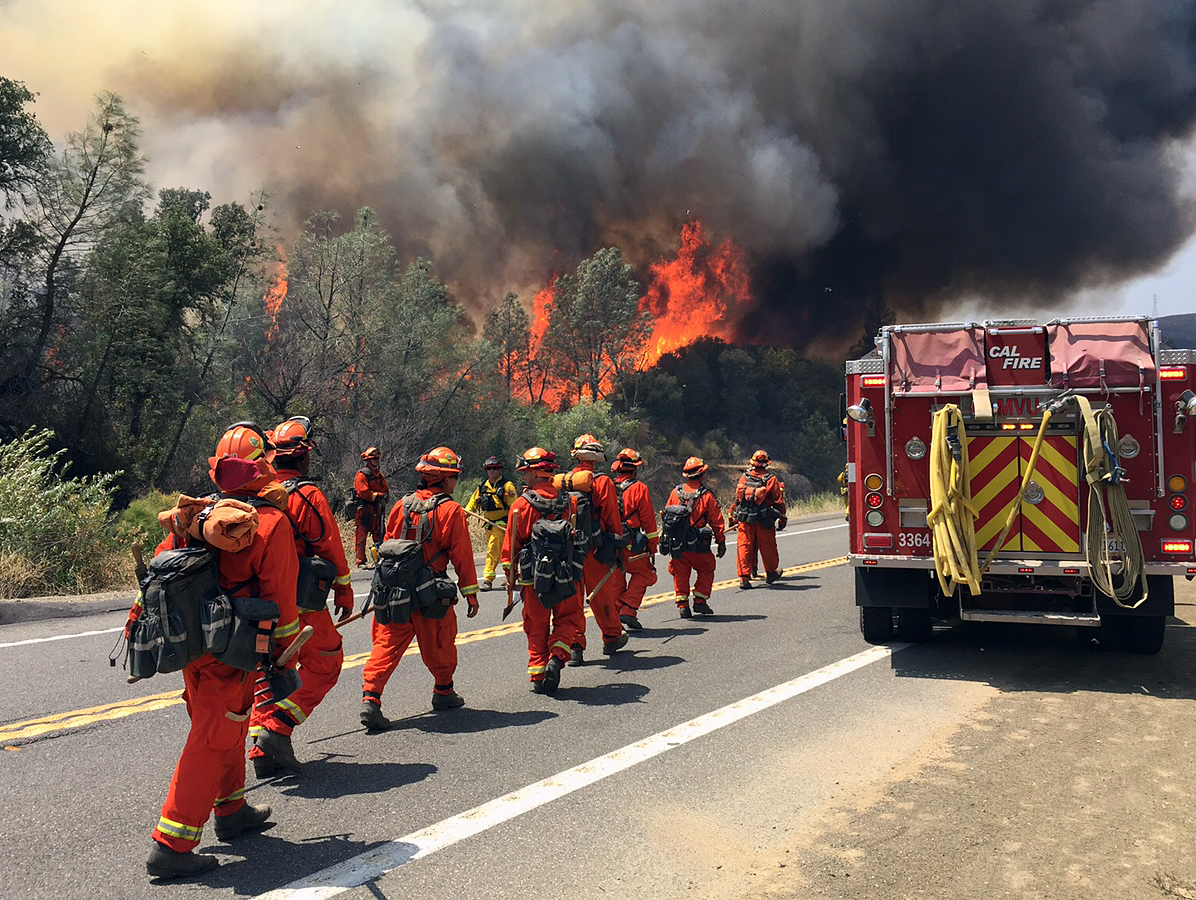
372 718
451 700
166 863
684 611
247 818
610 648
702 608
630 622
278 750
552 676
578 658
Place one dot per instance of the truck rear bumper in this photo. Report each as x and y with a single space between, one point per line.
1073 567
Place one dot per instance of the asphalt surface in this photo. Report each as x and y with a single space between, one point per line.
689 765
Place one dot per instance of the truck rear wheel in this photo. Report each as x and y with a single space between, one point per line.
876 623
1142 634
914 624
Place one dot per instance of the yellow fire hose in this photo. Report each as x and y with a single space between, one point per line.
952 515
1107 503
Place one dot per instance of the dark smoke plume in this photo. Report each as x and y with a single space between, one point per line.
917 152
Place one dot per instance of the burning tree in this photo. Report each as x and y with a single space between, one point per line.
596 328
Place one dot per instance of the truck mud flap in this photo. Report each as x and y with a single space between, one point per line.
896 588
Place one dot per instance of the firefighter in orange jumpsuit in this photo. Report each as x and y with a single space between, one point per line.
321 657
448 541
551 632
704 512
210 774
760 512
372 492
640 533
602 561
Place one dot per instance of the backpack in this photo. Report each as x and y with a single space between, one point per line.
588 533
403 582
678 534
633 537
749 509
552 561
316 574
185 613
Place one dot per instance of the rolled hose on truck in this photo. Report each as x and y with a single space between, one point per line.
952 515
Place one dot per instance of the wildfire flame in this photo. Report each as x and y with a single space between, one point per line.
699 293
276 293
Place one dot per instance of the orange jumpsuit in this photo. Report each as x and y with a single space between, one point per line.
321 658
448 542
604 602
760 536
705 512
211 770
550 632
368 518
637 513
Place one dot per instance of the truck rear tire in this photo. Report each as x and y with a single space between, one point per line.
914 624
876 623
1143 634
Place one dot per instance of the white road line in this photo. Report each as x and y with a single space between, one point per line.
382 860
63 637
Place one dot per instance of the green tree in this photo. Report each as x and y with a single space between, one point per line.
508 330
596 330
83 192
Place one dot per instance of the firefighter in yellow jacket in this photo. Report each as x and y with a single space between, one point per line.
492 500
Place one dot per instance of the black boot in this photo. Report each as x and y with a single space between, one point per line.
610 648
451 700
772 576
279 751
247 818
630 622
702 608
372 718
264 767
745 584
552 676
683 611
166 863
578 658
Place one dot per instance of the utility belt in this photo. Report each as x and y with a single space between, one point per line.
753 514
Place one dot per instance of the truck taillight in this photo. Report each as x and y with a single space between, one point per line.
878 541
874 501
872 381
1177 502
1173 373
1177 547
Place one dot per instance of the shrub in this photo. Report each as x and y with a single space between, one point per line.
54 530
138 523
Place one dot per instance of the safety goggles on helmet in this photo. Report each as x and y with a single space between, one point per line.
694 466
492 462
371 453
760 458
629 457
537 459
293 435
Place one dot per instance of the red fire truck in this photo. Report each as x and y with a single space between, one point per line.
1009 471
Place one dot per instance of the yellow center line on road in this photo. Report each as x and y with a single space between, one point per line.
80 717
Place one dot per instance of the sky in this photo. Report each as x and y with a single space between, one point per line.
1038 154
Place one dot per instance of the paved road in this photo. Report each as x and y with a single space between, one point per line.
686 766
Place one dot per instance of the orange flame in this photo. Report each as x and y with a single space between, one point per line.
276 293
702 292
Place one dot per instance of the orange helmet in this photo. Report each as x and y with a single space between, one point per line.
371 453
694 466
589 448
293 436
244 440
438 464
627 460
760 459
537 459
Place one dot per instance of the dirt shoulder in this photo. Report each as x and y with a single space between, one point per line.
1073 781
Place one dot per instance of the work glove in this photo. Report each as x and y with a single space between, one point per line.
274 684
781 523
342 599
722 549
473 606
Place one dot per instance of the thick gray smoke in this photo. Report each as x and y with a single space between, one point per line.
911 151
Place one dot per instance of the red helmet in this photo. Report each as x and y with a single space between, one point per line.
244 440
438 464
293 436
627 460
371 453
760 459
589 448
694 466
537 459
